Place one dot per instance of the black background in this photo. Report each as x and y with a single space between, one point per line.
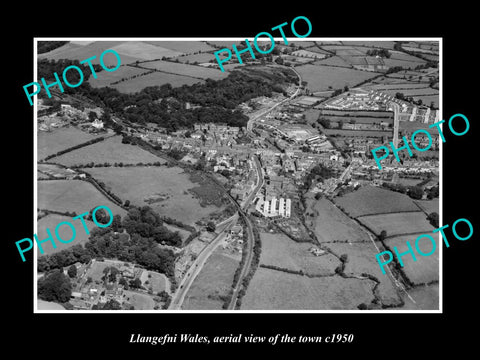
108 334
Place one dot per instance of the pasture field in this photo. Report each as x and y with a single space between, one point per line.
158 282
363 133
72 195
277 290
186 47
374 200
427 99
138 184
359 119
138 300
321 77
212 283
361 259
429 206
200 58
86 50
279 250
108 78
111 151
49 143
143 50
426 268
398 223
426 298
397 86
333 61
65 232
397 55
330 224
185 70
375 44
300 43
154 79
355 114
403 63
47 305
414 125
316 49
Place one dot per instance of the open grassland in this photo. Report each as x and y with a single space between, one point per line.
361 260
154 79
138 300
398 223
47 305
49 143
403 63
157 282
212 284
277 290
65 232
200 58
139 184
184 69
362 133
278 250
321 77
86 50
374 200
330 224
107 78
72 196
426 268
143 50
375 44
429 206
110 151
426 298
186 47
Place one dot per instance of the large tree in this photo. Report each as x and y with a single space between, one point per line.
55 286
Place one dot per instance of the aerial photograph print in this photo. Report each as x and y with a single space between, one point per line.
272 178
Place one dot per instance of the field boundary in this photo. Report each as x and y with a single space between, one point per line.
385 213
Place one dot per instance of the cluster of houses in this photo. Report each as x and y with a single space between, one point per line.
362 99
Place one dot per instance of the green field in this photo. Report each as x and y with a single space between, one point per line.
429 206
185 70
425 297
330 224
321 77
425 268
111 151
212 283
82 51
49 143
51 221
157 281
108 78
72 195
139 184
277 290
361 259
398 223
278 250
370 200
186 47
138 300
